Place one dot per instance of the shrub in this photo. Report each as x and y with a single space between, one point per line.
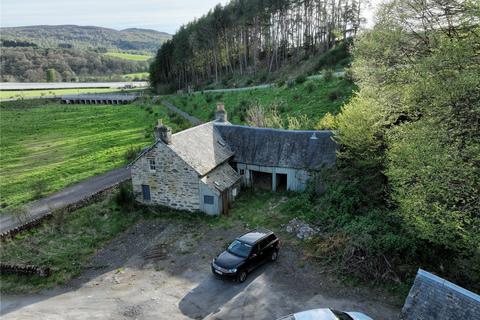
132 153
310 86
125 195
328 75
290 83
280 83
208 98
300 79
334 95
39 187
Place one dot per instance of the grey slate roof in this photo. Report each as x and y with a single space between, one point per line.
433 298
221 178
202 147
280 148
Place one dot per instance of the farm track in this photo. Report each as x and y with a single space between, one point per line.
65 198
193 120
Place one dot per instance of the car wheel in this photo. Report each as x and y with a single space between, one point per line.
274 255
242 276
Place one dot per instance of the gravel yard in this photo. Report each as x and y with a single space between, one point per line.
157 270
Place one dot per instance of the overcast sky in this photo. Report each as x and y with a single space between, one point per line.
161 15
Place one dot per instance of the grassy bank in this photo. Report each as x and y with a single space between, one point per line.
313 98
45 147
64 244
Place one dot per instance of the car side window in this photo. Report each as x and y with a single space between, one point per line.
267 241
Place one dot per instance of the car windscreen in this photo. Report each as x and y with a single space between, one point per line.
240 249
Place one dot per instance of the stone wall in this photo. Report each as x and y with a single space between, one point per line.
173 184
433 298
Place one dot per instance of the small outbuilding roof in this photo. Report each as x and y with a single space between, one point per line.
280 148
221 178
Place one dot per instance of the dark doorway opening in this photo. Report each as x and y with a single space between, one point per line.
281 181
261 180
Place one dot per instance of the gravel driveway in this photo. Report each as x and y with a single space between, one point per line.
157 270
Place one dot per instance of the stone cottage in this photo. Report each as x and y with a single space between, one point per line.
204 167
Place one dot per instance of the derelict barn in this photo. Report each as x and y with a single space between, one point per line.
98 98
204 167
276 159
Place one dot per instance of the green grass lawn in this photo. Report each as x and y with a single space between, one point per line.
57 145
297 100
128 56
56 92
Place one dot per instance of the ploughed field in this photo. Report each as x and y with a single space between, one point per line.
47 146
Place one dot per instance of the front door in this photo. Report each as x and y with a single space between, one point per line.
146 192
225 202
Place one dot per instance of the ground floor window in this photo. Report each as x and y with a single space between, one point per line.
208 199
146 192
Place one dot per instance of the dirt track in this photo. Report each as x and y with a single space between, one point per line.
149 272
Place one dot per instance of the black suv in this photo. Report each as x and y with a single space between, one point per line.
246 253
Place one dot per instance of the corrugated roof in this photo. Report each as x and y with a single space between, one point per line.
202 147
280 148
221 178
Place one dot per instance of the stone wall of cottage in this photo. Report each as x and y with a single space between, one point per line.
173 183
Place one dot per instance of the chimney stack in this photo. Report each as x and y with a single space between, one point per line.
163 132
221 114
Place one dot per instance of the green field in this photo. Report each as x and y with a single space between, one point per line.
296 100
55 145
128 56
56 92
134 76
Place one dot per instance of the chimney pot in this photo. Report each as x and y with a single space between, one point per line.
221 114
163 132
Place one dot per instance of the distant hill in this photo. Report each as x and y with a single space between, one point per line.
83 37
75 53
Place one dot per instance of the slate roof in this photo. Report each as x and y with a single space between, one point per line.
280 148
202 147
434 298
221 178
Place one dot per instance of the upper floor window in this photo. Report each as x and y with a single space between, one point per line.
152 164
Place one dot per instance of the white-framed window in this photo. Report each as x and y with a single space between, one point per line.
234 192
152 165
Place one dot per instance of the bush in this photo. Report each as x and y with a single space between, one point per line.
132 153
310 86
39 187
208 98
125 195
290 83
280 83
300 79
334 95
328 75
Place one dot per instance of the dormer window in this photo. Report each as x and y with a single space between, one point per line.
152 165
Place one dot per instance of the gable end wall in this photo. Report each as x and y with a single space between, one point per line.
174 183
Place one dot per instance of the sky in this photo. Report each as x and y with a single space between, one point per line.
160 15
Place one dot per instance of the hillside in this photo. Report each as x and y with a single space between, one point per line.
75 53
307 102
84 37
